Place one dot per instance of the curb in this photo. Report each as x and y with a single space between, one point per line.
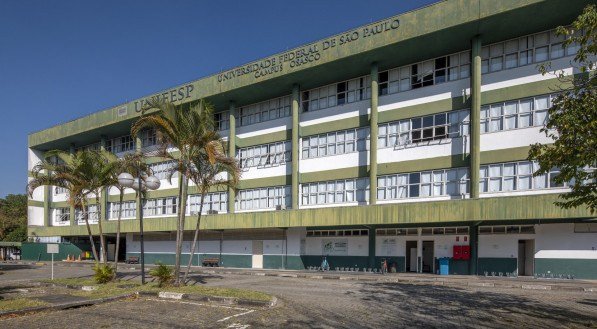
64 306
410 280
203 298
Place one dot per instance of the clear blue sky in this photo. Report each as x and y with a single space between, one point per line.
60 60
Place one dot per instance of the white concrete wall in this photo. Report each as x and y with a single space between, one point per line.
263 128
443 244
33 158
560 241
501 245
38 193
58 197
506 139
269 171
35 216
348 160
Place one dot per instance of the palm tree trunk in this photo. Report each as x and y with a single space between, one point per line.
180 227
195 237
86 218
101 231
118 231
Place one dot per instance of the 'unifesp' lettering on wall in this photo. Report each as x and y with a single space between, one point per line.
171 96
307 54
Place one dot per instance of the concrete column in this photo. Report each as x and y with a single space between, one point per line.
419 252
373 139
475 123
295 145
474 243
372 263
231 151
104 194
73 219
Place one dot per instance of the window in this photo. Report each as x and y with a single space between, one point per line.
427 73
216 201
515 176
264 155
222 120
335 191
422 129
161 169
60 190
160 206
340 93
121 144
264 111
148 138
263 198
312 233
335 143
62 215
433 183
525 50
129 209
528 112
91 212
91 147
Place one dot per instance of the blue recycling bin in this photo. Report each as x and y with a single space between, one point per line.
444 266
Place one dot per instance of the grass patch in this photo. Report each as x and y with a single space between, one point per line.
116 288
19 304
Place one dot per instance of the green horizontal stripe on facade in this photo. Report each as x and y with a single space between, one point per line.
33 203
63 204
507 208
126 197
444 105
277 136
265 182
522 91
344 173
505 155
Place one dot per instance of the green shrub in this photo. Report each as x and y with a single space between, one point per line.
103 273
163 274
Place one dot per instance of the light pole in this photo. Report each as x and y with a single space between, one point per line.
139 184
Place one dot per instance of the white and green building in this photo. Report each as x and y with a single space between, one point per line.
402 139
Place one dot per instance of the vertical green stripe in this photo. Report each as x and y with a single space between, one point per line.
373 143
295 146
475 116
231 151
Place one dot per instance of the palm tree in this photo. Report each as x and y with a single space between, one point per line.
129 163
81 174
209 172
182 128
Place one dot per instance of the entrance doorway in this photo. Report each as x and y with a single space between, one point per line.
526 257
258 254
428 252
411 256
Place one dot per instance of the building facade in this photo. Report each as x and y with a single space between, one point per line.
404 139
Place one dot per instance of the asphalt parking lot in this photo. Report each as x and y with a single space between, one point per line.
321 303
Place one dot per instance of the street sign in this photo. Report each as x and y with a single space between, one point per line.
53 248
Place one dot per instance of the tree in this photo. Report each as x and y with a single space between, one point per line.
82 174
180 133
572 119
132 164
13 218
209 172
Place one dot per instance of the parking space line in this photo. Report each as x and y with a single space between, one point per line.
245 310
235 315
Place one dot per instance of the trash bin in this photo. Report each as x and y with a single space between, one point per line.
444 266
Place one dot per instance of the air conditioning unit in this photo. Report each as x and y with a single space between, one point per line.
280 207
212 212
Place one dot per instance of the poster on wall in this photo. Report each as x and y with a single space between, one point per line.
388 247
334 247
